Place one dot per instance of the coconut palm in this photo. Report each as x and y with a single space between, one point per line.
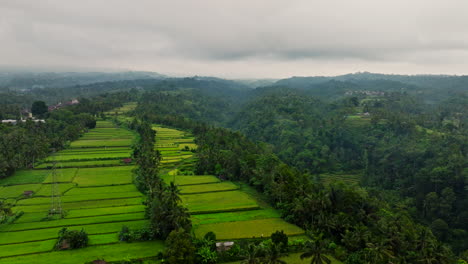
251 255
273 254
316 250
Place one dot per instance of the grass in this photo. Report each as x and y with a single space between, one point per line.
101 143
114 252
103 239
49 233
328 178
62 175
73 222
104 189
81 205
17 190
104 176
25 176
248 229
78 164
26 248
46 190
105 211
89 156
204 188
202 219
190 180
80 198
295 258
219 201
93 150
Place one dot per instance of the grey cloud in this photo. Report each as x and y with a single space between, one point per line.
186 37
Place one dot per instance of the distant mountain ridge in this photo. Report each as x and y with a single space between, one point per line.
31 80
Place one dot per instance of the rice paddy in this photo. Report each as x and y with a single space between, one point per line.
96 193
220 206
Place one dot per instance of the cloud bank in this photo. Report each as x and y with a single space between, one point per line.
259 38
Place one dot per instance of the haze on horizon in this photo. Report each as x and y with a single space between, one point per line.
237 39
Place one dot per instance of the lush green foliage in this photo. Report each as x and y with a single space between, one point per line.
71 239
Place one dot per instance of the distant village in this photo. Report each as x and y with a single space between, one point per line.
27 115
365 92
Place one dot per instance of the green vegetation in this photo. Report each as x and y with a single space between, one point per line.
206 188
224 201
190 180
260 228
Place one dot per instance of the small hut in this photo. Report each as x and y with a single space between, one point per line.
224 246
28 193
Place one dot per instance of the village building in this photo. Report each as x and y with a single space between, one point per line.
224 246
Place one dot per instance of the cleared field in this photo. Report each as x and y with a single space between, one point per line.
50 233
62 175
74 151
80 198
15 191
190 180
218 202
101 143
202 219
80 205
25 176
26 248
104 176
73 222
295 258
114 252
248 229
41 216
89 156
83 164
345 178
100 190
101 211
46 190
206 188
105 211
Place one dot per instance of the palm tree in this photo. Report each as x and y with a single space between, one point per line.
273 254
5 210
173 193
316 250
251 255
378 253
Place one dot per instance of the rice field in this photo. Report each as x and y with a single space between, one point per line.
215 205
96 193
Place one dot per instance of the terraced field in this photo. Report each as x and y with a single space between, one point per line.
96 193
219 206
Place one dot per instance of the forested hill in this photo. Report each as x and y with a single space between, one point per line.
412 152
432 88
27 80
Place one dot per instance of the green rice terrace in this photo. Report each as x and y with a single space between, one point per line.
93 186
230 210
96 192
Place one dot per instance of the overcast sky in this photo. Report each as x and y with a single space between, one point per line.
239 38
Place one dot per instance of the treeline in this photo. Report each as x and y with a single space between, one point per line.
24 143
163 206
366 230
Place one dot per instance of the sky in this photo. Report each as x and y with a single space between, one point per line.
239 38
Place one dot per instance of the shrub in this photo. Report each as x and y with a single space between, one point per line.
71 239
124 234
279 237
